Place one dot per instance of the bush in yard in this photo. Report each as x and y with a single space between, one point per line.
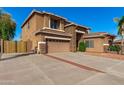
115 48
110 48
118 48
82 47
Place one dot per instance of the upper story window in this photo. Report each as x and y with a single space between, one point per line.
54 24
90 43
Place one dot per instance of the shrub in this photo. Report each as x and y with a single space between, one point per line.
82 47
118 48
110 48
115 48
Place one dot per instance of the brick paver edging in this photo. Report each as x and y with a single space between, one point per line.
76 64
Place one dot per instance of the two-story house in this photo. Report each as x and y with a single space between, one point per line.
52 33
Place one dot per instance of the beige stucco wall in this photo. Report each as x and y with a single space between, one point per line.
36 23
98 45
107 38
46 20
62 24
27 33
39 21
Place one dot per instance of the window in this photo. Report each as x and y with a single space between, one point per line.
90 43
54 24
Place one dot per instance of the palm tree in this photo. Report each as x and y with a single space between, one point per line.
120 29
7 27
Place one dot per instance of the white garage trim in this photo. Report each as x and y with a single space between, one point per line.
50 37
41 42
105 44
78 31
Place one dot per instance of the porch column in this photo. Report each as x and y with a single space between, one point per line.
73 42
42 45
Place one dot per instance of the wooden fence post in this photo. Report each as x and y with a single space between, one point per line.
1 52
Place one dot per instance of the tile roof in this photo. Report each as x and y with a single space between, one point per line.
98 34
71 23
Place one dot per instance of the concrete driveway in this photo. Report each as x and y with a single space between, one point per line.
113 69
39 69
60 68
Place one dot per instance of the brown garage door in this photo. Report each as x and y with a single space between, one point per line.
57 46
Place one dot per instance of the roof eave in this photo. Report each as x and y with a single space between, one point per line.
78 26
97 36
35 11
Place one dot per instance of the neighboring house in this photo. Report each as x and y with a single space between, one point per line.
52 33
97 42
118 42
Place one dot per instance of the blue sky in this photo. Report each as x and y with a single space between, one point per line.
99 19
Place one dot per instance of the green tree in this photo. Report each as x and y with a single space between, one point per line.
0 22
7 28
0 38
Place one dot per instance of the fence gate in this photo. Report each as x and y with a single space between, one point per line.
16 46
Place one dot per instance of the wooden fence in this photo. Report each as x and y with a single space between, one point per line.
17 46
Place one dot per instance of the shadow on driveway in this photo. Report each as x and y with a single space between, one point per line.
15 56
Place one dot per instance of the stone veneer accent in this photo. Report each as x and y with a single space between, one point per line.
42 48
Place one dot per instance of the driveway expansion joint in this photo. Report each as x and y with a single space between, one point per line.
76 64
